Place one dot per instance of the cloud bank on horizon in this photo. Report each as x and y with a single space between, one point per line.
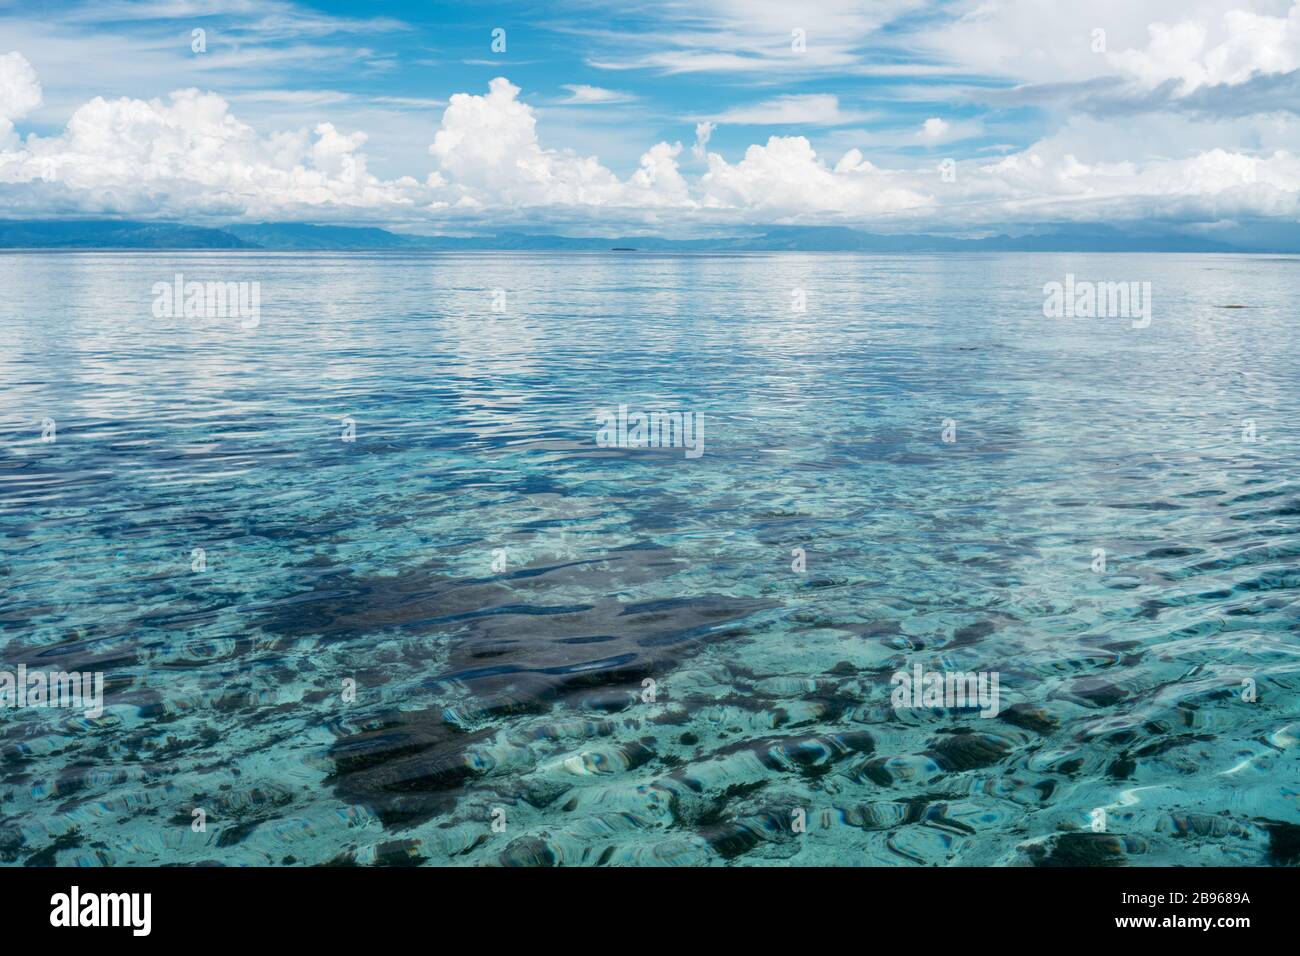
674 118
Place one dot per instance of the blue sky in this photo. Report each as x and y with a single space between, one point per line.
670 117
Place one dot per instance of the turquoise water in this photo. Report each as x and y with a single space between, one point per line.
504 715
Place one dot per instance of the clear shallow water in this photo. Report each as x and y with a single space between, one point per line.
480 692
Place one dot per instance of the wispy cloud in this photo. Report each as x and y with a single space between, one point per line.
746 36
270 20
812 109
582 95
292 97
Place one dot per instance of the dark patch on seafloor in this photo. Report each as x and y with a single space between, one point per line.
1084 849
1283 842
514 642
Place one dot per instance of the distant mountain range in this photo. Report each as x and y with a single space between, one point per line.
111 234
291 236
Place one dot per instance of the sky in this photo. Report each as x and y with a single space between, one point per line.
673 118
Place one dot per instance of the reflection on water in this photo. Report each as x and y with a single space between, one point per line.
472 635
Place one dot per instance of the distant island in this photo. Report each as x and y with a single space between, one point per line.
295 236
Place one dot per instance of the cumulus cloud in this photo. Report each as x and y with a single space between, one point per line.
1251 44
189 156
488 153
785 178
1122 57
658 180
1152 42
20 92
1050 181
488 147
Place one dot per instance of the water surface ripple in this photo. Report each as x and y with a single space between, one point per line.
523 696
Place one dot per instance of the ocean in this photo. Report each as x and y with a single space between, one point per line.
649 559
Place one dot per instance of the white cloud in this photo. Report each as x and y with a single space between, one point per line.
488 145
1192 42
933 128
785 179
703 133
190 156
20 92
750 36
582 95
811 109
299 98
659 179
488 152
274 18
1057 179
1251 43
